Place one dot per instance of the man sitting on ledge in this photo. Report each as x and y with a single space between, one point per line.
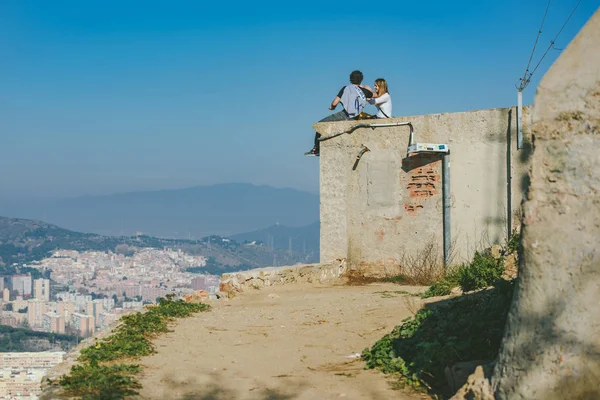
353 98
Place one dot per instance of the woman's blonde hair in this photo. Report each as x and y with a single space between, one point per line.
382 84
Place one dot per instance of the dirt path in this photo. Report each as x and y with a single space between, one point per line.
283 342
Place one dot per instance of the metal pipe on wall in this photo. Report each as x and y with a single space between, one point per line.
370 125
446 207
519 119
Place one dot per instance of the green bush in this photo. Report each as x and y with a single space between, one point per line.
468 327
482 272
131 339
442 287
513 243
93 381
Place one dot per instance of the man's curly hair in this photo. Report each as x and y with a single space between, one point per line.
356 77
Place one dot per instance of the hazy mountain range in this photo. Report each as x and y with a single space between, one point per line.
190 213
24 240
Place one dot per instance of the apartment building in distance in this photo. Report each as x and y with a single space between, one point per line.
41 289
42 359
97 308
35 310
21 284
8 318
84 324
53 322
66 309
22 373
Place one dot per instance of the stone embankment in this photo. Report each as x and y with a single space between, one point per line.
238 282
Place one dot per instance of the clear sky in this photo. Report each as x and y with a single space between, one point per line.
98 97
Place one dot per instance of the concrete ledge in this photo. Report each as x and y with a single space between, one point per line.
238 282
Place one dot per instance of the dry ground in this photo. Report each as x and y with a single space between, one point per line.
283 342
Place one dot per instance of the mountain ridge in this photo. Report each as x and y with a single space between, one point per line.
192 212
26 240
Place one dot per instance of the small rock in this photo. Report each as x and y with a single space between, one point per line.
496 251
511 268
456 290
273 296
196 297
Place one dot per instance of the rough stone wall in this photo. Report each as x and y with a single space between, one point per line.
237 282
388 211
551 348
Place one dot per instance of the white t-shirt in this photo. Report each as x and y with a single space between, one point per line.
385 104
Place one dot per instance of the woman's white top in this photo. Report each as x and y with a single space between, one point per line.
384 103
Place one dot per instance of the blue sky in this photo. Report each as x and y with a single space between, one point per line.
98 97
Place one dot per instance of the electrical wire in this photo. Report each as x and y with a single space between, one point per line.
526 78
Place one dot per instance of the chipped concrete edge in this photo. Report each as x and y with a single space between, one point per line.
238 282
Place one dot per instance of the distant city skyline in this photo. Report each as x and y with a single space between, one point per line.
110 97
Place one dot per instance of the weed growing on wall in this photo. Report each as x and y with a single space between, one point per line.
469 327
512 245
131 339
444 286
483 271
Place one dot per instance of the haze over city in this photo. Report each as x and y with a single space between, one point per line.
105 97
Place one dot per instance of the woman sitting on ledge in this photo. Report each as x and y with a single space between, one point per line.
382 99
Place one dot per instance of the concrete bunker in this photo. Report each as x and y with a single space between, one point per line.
384 206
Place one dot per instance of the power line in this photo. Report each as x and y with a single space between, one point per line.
526 78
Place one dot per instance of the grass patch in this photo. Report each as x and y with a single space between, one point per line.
443 287
386 294
93 379
483 271
468 327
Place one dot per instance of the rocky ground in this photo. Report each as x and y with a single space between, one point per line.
297 341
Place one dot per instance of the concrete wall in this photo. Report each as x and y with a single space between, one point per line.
551 348
389 210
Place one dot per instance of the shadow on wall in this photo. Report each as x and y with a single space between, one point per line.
554 348
415 161
523 158
525 153
440 335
